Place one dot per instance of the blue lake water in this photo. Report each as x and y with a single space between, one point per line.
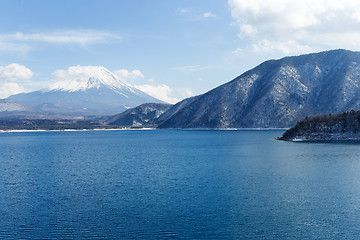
169 184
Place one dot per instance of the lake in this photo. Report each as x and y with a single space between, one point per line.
173 184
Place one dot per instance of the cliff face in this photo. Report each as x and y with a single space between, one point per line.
277 93
330 127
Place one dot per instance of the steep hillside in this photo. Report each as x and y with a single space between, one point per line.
144 115
276 94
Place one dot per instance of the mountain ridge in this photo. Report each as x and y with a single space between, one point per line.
145 115
277 93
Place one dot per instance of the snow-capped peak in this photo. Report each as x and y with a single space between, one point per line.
80 78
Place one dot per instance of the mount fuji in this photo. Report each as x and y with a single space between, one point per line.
96 93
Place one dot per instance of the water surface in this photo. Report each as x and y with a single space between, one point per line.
168 184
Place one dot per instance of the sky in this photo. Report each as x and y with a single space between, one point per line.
171 49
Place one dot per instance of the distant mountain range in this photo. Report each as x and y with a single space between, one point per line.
102 94
275 94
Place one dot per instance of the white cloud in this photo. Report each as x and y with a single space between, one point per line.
20 42
288 47
188 93
185 92
81 37
237 51
9 77
299 25
184 11
10 88
160 92
128 76
76 72
14 71
192 68
14 47
209 15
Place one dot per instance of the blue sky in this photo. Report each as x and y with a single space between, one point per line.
171 49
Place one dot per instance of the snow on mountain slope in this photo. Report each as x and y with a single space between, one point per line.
144 115
15 109
94 92
91 77
13 106
277 93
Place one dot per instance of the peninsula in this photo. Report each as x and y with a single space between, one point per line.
328 127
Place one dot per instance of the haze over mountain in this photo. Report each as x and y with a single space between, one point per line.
275 94
14 109
98 93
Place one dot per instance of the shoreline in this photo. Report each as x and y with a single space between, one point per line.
304 140
139 129
72 130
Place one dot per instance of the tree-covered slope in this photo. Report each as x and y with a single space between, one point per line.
276 94
328 127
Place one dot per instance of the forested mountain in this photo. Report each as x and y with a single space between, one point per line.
328 127
276 94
